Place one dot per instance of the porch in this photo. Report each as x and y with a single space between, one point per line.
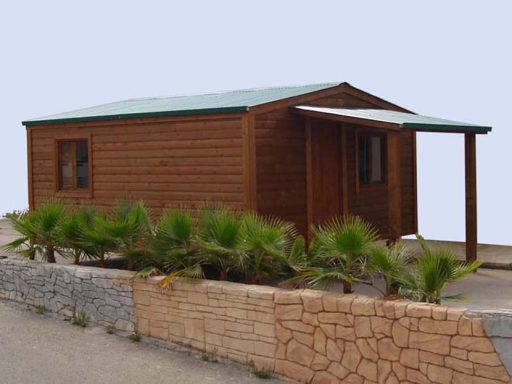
363 161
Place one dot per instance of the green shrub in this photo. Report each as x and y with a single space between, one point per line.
70 235
40 309
44 224
266 242
25 244
432 271
135 336
81 318
338 253
102 236
235 245
220 240
135 221
392 263
263 373
210 357
173 247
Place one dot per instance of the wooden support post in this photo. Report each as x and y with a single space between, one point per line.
309 178
249 158
471 217
30 170
394 188
344 171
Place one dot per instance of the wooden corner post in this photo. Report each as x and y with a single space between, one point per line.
30 170
394 187
309 178
249 161
471 217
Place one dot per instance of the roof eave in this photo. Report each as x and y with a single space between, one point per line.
187 112
448 128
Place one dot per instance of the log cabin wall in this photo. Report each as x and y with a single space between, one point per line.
179 161
281 186
371 201
281 166
243 160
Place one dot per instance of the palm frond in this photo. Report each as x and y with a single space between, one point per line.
350 235
220 239
434 269
147 272
392 263
339 250
194 272
297 256
174 228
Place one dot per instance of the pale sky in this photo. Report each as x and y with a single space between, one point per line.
449 59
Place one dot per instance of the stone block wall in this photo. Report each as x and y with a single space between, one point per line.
327 338
318 337
306 335
229 320
105 295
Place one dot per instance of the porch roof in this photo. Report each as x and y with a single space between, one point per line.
391 119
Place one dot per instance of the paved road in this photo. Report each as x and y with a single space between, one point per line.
38 349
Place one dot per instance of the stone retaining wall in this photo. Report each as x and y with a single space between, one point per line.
105 295
310 336
498 326
226 319
327 338
318 337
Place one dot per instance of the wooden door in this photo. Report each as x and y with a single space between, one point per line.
327 193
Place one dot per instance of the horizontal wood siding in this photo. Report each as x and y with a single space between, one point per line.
281 160
281 170
367 201
281 166
371 201
171 163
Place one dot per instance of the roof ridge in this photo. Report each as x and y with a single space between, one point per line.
229 91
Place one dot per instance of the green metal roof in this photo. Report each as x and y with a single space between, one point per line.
402 119
219 102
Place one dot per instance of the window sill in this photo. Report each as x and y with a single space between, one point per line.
84 194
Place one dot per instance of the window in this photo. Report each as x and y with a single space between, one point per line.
372 159
73 165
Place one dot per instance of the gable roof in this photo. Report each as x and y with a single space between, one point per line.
217 102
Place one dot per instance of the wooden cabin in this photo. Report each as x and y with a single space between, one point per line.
303 153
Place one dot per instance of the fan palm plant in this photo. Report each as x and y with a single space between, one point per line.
220 240
45 224
434 269
70 234
391 263
25 244
102 236
173 248
266 243
135 218
339 252
297 259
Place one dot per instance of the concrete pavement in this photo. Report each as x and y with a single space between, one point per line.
44 350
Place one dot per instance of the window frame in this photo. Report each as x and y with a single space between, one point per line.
364 133
73 192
